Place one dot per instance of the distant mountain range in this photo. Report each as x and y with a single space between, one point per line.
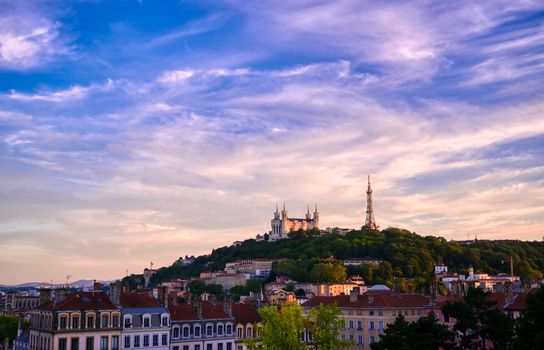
83 283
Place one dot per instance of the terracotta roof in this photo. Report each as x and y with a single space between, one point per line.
138 300
244 313
210 311
519 302
81 301
374 301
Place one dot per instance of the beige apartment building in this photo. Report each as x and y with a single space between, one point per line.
366 316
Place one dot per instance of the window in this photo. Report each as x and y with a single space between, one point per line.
360 340
62 344
62 322
380 326
372 339
165 339
115 342
209 330
351 337
155 340
90 321
177 347
146 341
413 312
136 341
220 329
371 312
127 342
249 330
197 347
371 325
176 333
186 332
220 346
351 324
240 330
380 313
103 343
359 325
74 344
197 332
115 321
127 322
229 346
147 321
75 321
105 321
165 321
89 343
229 329
209 346
185 347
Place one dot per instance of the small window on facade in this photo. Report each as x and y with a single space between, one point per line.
146 341
115 342
229 329
74 344
155 340
165 321
127 342
127 323
75 322
89 343
90 321
209 330
115 321
136 341
105 321
165 339
176 333
62 344
62 323
185 332
103 343
220 330
147 321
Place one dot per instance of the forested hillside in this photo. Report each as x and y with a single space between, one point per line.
405 255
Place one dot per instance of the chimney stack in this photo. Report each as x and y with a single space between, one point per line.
45 295
354 295
115 292
162 294
227 306
60 294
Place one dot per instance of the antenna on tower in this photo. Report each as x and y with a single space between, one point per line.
370 223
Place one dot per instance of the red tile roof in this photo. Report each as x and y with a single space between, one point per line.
374 301
81 301
133 300
210 311
519 302
244 313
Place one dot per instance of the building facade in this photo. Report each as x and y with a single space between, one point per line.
366 316
202 325
146 323
247 319
79 321
282 224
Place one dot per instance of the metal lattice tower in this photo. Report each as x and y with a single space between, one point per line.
370 223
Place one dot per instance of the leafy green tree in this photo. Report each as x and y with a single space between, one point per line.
325 324
328 272
8 327
282 330
530 326
424 334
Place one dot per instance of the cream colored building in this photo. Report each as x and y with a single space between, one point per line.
281 226
366 316
79 321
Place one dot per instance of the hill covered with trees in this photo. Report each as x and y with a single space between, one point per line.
404 254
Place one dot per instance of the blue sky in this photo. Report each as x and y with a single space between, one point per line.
138 131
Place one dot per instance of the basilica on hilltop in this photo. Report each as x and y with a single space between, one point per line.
282 225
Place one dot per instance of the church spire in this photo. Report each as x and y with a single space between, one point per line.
370 223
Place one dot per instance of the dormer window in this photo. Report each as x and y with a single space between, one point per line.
115 321
75 321
197 331
220 329
209 330
229 329
63 320
147 321
164 321
90 321
105 320
127 322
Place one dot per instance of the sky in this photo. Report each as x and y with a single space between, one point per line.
140 131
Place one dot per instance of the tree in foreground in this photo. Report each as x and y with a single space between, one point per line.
8 327
324 323
530 326
478 320
284 329
424 334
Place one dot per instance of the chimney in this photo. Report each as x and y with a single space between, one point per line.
60 294
197 306
45 295
162 294
227 306
354 295
115 292
97 286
